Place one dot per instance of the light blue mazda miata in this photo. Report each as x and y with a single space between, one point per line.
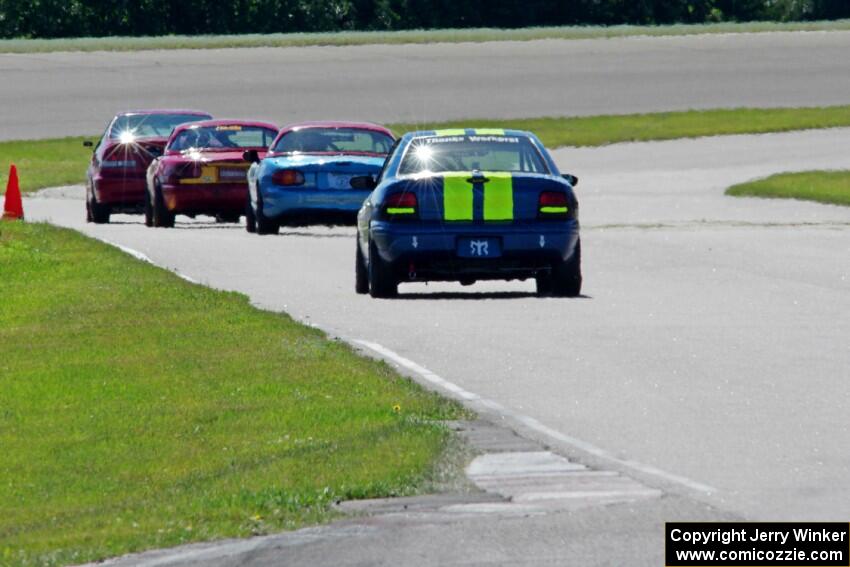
306 176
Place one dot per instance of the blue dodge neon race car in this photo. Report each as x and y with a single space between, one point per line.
306 176
466 205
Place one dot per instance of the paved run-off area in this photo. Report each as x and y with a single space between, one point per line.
712 344
46 95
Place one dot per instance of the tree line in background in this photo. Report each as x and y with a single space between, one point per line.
95 18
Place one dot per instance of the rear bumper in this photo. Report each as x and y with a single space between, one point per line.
120 192
432 252
212 199
288 204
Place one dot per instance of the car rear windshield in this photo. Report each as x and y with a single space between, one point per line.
150 125
468 153
334 141
222 138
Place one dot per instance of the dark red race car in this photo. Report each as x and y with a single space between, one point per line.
203 171
116 174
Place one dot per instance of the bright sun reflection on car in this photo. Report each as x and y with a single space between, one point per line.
424 153
126 137
193 154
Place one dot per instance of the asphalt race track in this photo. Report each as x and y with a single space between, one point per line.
711 345
45 95
708 358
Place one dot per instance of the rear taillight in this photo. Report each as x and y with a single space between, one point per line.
401 204
553 204
180 172
288 177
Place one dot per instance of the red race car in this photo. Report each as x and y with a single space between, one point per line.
203 171
116 174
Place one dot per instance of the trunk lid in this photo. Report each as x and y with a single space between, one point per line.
220 167
329 172
478 197
125 160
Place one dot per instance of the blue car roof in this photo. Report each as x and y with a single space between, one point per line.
469 132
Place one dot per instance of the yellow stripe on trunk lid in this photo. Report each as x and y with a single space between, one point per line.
457 196
498 196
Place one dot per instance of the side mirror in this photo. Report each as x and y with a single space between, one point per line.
88 144
251 156
571 179
363 182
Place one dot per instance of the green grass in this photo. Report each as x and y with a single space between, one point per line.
822 186
48 163
138 410
613 128
400 37
45 163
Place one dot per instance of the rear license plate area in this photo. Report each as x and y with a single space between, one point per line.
339 180
479 247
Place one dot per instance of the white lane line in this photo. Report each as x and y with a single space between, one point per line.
187 278
144 258
134 253
531 423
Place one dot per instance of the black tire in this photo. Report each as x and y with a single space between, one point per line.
162 217
361 273
264 224
148 209
544 283
382 280
566 276
99 213
250 219
88 207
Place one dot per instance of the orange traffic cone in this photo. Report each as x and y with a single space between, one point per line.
13 208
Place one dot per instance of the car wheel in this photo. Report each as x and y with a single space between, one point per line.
544 283
566 276
99 213
361 273
88 207
162 218
250 219
148 209
382 280
264 224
